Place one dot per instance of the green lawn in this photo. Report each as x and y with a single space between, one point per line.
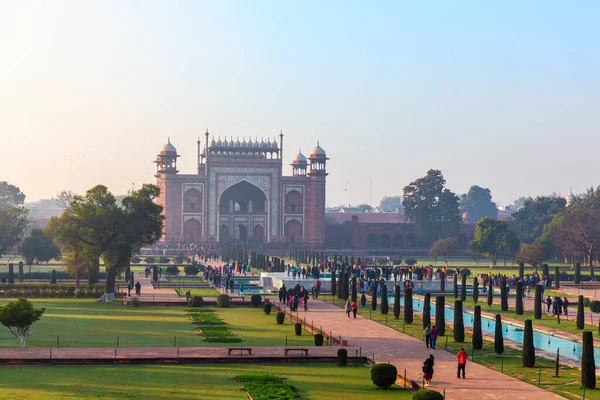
186 382
203 292
568 384
86 323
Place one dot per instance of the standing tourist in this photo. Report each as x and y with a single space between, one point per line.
462 362
433 336
348 308
565 306
428 370
354 308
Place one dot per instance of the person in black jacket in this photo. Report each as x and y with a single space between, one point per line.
428 370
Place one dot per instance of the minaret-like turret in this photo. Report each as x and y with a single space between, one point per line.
166 160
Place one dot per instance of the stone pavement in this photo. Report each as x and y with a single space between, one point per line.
150 294
406 352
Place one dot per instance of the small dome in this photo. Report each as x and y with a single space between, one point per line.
299 159
213 143
317 152
168 147
262 142
231 143
256 144
268 142
244 144
219 143
237 142
274 143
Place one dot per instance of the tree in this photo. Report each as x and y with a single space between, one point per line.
10 196
97 225
463 288
38 248
577 278
345 287
333 283
490 296
494 239
13 223
384 300
444 248
433 208
427 310
478 203
475 291
588 363
397 302
459 324
442 282
354 290
528 222
374 297
519 299
18 316
391 204
580 315
498 336
364 207
477 334
503 294
528 355
440 317
532 254
408 306
537 303
455 288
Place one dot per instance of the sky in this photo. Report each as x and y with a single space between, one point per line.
505 95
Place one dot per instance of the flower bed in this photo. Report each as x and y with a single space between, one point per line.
218 334
206 319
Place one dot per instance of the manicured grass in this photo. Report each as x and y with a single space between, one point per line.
86 323
568 384
202 292
204 318
207 382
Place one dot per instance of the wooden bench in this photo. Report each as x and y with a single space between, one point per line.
230 349
288 349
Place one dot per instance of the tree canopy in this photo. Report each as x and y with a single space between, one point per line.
14 218
10 196
494 239
391 203
478 203
18 316
432 207
532 254
444 248
96 225
38 248
528 223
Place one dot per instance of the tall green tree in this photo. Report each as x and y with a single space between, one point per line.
478 203
444 248
459 325
519 299
528 222
498 336
38 248
98 225
494 239
477 334
440 317
528 355
391 204
532 254
588 363
475 291
432 207
397 302
427 310
384 300
14 218
10 196
408 306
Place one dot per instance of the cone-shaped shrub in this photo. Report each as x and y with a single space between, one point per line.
11 273
298 328
455 289
340 284
280 317
503 295
333 284
521 270
442 282
21 272
53 277
498 337
459 324
196 301
342 357
588 364
354 291
475 292
267 308
427 310
537 302
528 355
440 318
556 278
477 335
577 273
346 286
384 300
384 375
363 300
519 299
408 306
580 315
256 300
318 339
463 288
396 301
545 270
490 296
374 297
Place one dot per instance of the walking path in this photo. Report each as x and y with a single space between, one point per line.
387 344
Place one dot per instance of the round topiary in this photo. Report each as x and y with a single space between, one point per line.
342 357
267 308
196 301
363 300
384 375
298 328
280 317
255 300
595 306
223 300
426 394
318 339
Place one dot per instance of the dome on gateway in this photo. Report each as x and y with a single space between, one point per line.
168 147
299 159
317 152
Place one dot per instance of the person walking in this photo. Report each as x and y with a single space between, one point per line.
433 337
354 308
427 334
565 306
548 304
129 287
348 308
428 370
305 300
138 289
462 363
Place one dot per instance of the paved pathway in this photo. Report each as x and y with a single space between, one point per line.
407 352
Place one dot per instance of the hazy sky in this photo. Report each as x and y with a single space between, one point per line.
505 95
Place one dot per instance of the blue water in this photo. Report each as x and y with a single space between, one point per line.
542 341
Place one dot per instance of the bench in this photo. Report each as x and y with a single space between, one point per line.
230 349
287 350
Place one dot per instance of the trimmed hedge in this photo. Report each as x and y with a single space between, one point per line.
196 301
267 308
256 300
595 306
280 317
384 375
342 357
426 394
223 300
318 339
298 329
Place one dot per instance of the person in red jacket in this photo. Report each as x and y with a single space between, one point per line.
462 363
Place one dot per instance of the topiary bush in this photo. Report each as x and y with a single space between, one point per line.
135 302
53 277
267 308
384 375
280 317
318 339
363 300
426 394
172 270
223 300
196 301
255 300
191 269
342 357
595 306
298 328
